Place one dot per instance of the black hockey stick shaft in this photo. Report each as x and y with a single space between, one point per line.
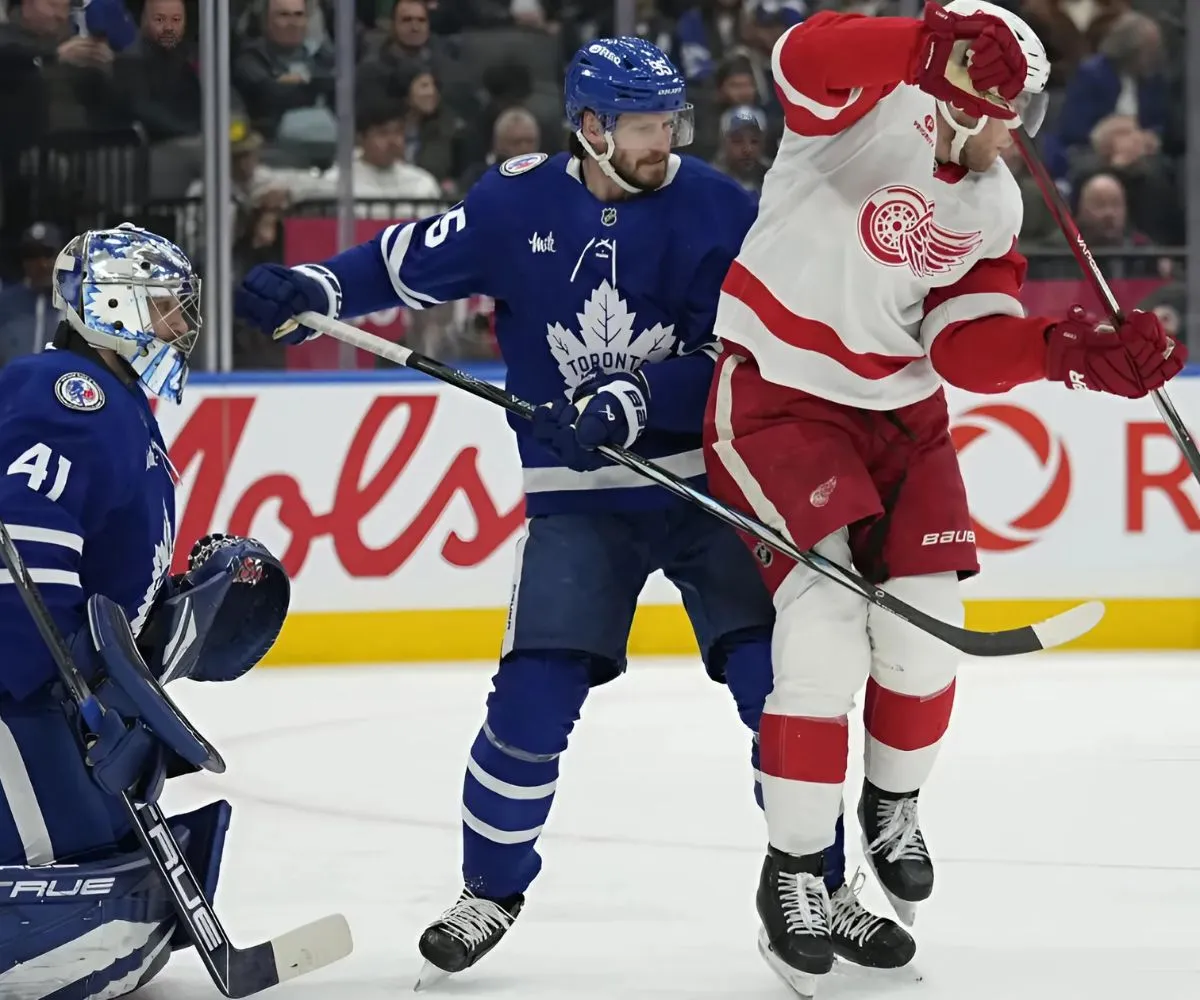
1026 639
236 972
1092 273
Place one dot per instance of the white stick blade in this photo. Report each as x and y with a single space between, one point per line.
312 947
1069 625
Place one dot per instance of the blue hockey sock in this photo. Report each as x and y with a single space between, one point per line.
513 767
507 795
835 858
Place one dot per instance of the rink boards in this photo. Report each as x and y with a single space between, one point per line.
395 503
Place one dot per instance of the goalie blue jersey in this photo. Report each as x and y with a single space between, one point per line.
582 287
88 494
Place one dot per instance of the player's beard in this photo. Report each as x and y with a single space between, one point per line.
646 173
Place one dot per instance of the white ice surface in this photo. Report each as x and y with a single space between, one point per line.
1063 818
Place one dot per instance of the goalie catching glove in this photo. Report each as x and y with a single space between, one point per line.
219 618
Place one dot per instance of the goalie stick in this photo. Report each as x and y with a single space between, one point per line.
1053 631
237 972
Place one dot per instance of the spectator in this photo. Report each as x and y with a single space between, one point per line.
53 80
505 85
379 168
1122 147
1169 304
157 74
736 86
1124 78
516 132
287 87
27 314
1103 220
743 145
433 134
107 20
703 36
407 49
1065 42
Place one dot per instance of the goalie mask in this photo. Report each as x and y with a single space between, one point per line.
1030 105
132 292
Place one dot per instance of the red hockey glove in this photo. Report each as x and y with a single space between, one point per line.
995 61
1130 361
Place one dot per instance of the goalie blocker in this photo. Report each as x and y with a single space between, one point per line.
82 911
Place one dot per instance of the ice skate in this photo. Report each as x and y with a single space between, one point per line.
462 935
793 905
895 848
861 937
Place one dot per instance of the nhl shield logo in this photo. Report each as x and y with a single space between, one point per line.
764 555
896 228
609 217
77 391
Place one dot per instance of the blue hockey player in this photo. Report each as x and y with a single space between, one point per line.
87 493
605 264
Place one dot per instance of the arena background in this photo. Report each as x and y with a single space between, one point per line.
281 130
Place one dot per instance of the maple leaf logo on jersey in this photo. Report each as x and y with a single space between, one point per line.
896 228
605 342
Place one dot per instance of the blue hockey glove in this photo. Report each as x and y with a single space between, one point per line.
217 620
612 410
554 429
271 295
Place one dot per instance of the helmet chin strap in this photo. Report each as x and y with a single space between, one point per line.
604 161
961 132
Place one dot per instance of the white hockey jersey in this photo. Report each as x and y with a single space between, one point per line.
864 250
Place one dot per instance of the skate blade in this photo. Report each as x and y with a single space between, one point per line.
803 984
430 975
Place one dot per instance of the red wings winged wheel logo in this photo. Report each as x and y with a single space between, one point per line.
896 228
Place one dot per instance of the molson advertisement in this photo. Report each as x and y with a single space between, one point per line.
395 503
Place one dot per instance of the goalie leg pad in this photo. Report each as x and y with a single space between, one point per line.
97 927
512 772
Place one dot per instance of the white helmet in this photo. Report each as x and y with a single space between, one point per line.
1030 104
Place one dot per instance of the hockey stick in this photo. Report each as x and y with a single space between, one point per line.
1053 631
1091 271
237 972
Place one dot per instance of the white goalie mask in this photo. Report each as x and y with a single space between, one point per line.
132 292
1030 104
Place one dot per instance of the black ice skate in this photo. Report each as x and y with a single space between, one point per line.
895 848
859 936
793 905
466 932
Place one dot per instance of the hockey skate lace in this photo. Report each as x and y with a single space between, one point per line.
848 917
805 902
900 835
472 919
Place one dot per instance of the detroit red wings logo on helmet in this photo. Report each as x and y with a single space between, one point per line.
896 227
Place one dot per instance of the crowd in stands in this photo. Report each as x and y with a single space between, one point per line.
446 88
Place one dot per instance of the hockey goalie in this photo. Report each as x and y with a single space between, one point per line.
883 263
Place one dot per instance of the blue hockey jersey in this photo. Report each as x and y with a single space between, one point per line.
581 287
87 493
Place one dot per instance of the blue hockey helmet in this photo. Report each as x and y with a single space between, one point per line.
615 76
132 292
